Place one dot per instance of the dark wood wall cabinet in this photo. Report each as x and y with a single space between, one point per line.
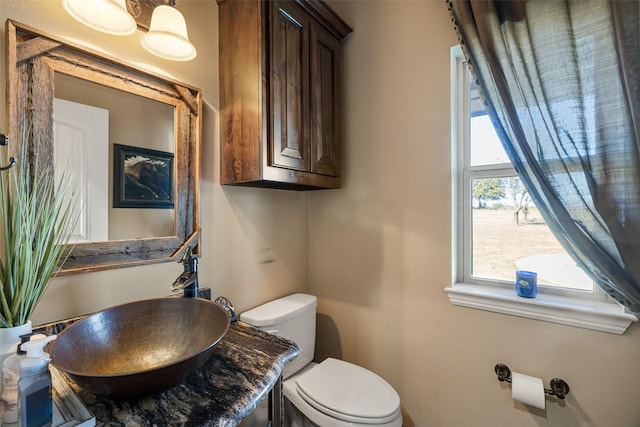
279 93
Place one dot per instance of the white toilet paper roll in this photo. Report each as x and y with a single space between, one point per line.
528 390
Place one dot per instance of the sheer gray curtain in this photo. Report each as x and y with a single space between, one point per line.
562 83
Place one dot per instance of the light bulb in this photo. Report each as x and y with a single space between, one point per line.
108 16
167 36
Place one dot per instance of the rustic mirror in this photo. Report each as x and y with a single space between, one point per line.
138 121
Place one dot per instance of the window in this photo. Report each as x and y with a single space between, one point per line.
498 230
501 229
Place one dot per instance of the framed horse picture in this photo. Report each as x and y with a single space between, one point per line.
142 178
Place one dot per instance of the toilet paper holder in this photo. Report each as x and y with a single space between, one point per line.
558 387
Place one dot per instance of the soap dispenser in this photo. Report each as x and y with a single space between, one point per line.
34 386
10 377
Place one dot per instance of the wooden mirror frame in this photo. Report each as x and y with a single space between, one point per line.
33 58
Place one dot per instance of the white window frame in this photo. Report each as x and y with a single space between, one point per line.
591 310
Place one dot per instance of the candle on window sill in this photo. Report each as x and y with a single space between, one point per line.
526 284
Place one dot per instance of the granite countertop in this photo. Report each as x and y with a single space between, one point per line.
243 367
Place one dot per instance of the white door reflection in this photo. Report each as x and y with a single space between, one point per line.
81 144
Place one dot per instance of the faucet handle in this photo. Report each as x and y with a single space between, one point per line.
226 304
187 256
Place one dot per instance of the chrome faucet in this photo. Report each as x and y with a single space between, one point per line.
188 280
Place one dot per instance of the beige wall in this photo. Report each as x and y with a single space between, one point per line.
379 252
237 223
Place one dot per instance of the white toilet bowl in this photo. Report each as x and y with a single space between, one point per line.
336 393
333 393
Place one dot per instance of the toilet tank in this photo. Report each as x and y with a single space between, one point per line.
292 317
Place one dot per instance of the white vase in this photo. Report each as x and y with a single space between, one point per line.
9 339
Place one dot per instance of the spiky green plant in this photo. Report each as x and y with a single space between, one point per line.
37 217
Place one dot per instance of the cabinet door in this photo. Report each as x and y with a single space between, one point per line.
325 153
289 91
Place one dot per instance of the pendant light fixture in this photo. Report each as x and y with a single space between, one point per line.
108 16
167 32
167 36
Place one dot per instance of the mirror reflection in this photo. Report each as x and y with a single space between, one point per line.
88 120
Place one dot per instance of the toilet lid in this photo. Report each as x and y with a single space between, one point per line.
348 392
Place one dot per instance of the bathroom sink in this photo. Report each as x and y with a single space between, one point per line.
139 348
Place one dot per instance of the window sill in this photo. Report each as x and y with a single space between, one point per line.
605 316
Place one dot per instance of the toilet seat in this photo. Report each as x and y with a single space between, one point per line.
348 392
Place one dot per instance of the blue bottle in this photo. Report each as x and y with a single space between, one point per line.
34 386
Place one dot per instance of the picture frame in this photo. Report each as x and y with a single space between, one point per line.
142 178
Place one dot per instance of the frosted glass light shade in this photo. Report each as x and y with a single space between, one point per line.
108 16
167 36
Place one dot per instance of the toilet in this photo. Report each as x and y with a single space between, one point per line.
333 393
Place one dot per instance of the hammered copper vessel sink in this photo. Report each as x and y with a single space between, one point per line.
135 349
